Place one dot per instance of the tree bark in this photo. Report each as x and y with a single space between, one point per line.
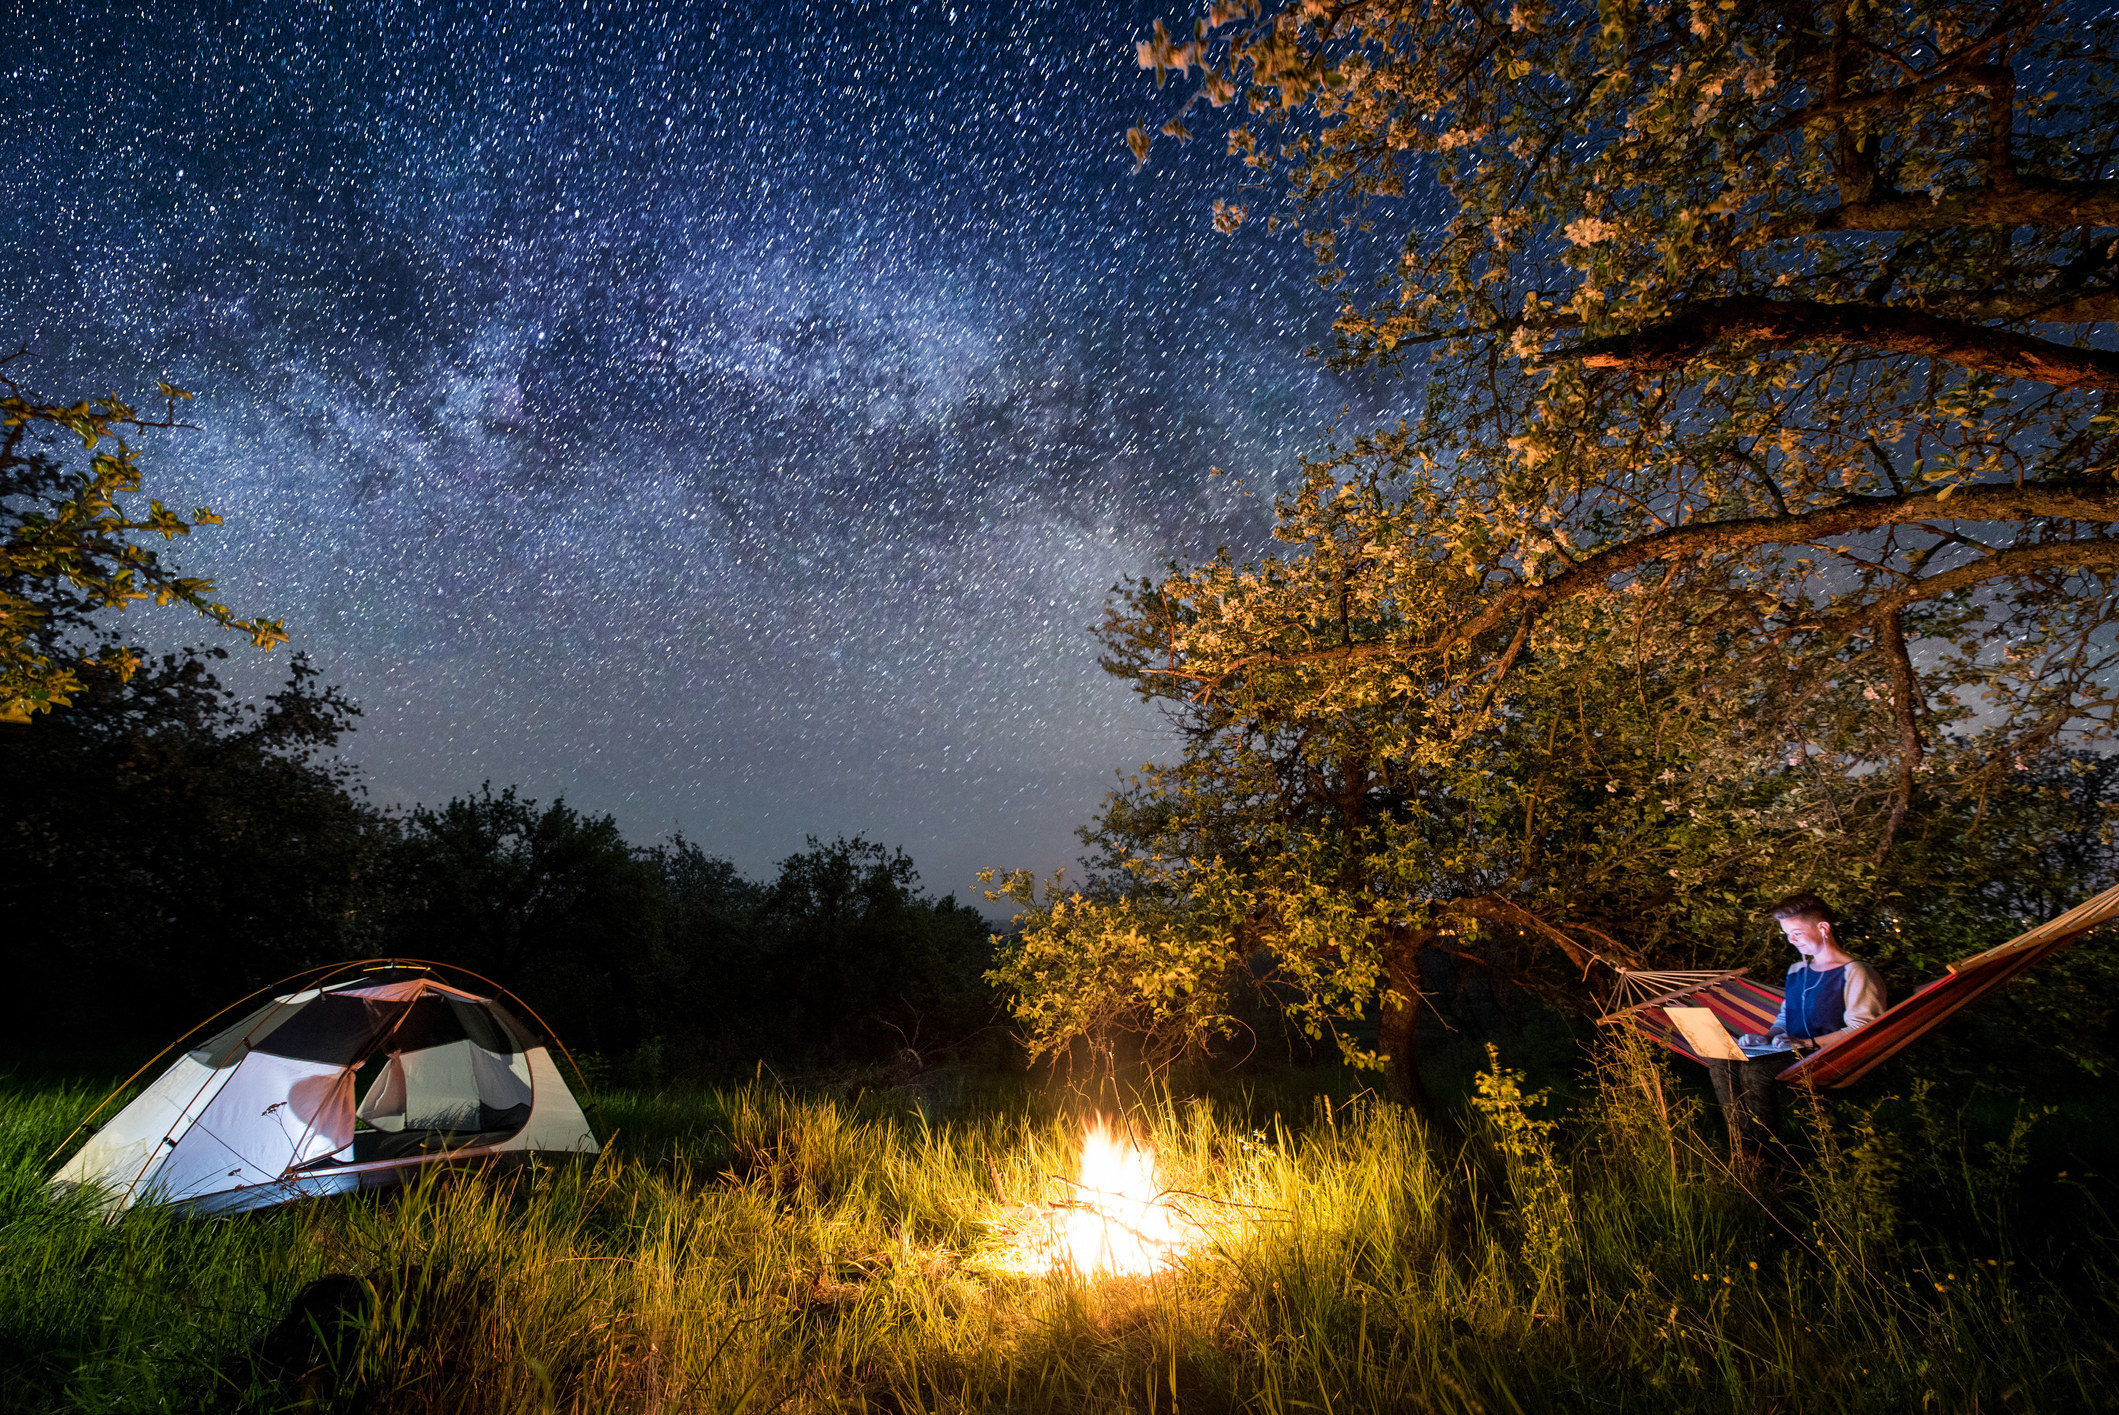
1399 1037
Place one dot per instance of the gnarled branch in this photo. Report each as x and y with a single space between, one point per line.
2016 560
1891 329
2028 201
2076 501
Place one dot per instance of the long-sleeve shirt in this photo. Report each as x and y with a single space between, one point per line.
1825 1004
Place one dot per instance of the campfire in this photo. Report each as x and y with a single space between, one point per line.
1114 1217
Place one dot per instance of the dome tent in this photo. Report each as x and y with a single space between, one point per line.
359 1077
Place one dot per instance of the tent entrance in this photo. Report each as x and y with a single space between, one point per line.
446 1077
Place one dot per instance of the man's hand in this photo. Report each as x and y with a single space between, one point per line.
1749 1039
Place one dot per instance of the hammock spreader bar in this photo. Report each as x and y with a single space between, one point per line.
1747 1006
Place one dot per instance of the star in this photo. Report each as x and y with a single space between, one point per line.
729 420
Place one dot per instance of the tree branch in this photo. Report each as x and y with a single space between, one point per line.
2030 201
2075 501
1954 70
2017 560
1493 908
2044 306
1889 328
1946 76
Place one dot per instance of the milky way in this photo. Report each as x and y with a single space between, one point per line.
731 421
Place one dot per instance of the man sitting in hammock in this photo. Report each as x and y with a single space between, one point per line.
1830 994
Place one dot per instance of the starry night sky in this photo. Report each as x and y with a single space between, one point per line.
728 418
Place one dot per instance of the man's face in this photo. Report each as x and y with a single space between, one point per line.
1807 935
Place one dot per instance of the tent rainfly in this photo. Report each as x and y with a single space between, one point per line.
357 1081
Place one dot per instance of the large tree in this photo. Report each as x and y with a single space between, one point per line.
548 901
1752 512
1792 317
1326 838
1601 801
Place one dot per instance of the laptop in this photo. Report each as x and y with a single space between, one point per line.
1708 1036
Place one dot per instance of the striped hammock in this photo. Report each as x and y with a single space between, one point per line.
1746 1006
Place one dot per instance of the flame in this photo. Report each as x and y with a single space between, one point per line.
1118 1219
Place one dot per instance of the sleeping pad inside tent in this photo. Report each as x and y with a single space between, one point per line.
354 1082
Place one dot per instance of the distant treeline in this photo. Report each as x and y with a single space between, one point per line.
166 847
169 847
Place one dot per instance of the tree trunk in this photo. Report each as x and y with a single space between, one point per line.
1905 706
1400 1031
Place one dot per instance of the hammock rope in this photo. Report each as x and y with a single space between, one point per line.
1641 987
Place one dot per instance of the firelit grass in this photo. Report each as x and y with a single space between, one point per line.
758 1251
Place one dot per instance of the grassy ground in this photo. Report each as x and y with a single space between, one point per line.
760 1251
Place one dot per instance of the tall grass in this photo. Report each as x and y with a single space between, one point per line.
758 1251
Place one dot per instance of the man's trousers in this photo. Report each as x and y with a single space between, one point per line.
1750 1098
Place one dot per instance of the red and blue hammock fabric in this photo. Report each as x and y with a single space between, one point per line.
1747 1006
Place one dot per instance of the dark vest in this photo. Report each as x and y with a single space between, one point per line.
1817 1002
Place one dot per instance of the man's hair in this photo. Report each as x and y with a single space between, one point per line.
1805 906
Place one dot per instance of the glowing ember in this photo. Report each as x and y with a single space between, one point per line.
1117 1218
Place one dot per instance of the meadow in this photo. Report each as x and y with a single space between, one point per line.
769 1249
